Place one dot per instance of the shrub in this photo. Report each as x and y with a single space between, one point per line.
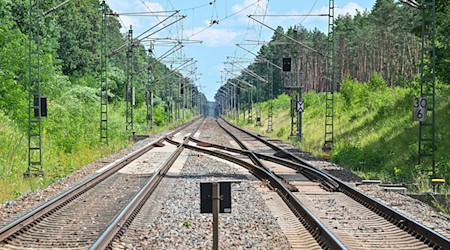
376 82
352 91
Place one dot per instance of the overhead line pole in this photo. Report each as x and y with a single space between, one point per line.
103 80
149 99
129 88
329 86
35 100
268 62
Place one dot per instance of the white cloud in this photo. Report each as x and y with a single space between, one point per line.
350 8
129 20
257 7
154 6
320 22
213 37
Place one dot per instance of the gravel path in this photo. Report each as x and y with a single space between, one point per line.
179 224
11 210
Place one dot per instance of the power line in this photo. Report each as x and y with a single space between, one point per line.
233 14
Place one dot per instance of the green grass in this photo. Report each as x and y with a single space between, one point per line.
374 132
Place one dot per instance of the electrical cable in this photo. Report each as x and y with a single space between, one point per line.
309 13
235 13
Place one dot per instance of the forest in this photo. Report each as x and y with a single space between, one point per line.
70 74
377 75
385 40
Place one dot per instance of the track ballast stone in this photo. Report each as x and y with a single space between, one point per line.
179 224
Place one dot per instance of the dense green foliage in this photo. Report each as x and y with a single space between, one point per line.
70 78
385 40
375 135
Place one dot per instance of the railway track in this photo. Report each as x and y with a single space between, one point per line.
358 221
314 210
77 217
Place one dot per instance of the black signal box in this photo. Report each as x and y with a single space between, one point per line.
206 197
287 64
43 106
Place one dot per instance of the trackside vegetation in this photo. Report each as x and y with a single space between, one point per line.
70 79
374 131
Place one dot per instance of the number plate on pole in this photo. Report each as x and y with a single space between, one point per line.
420 109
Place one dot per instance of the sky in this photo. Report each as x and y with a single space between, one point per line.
218 41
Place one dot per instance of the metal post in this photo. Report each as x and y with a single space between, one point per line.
243 113
230 108
250 107
258 107
34 95
129 85
178 103
103 81
427 128
270 111
293 115
299 115
183 100
238 95
149 99
330 81
215 211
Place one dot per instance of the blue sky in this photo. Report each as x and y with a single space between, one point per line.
218 40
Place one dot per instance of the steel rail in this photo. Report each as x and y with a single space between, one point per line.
321 234
414 228
128 213
311 173
74 192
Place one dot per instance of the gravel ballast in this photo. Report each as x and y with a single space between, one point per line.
410 207
180 225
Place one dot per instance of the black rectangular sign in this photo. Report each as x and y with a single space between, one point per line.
286 64
43 106
206 197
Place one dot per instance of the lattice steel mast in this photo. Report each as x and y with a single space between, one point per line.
427 128
149 99
129 91
270 111
330 81
103 81
34 92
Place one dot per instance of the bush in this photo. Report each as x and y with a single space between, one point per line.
376 82
353 92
